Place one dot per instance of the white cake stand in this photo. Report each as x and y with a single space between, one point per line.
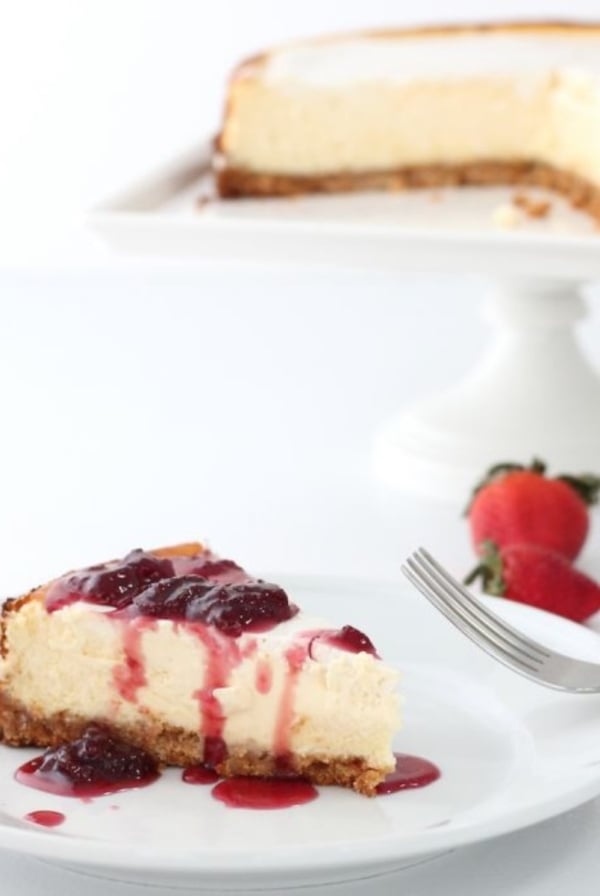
533 391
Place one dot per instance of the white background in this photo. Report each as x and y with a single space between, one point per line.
145 403
229 398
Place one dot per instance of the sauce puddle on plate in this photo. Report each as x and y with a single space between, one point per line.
410 773
46 818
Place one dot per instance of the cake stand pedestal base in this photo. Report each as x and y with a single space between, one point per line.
533 393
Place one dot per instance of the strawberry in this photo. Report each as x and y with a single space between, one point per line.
518 505
536 576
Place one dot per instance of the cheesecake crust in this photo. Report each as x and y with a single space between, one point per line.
238 182
19 727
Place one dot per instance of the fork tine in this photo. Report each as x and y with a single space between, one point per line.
473 610
456 614
487 617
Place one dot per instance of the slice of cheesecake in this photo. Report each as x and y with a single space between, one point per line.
185 655
494 104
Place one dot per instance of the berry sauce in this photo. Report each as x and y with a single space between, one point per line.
264 793
209 566
410 772
232 608
215 751
46 818
346 638
295 657
113 584
222 656
263 677
199 774
130 676
95 764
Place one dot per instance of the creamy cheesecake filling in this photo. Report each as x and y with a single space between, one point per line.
377 104
269 693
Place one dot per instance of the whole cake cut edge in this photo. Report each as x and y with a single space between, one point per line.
286 131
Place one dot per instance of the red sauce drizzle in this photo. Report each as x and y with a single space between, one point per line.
264 793
410 772
46 818
199 774
130 676
222 656
249 649
61 785
264 676
295 657
215 751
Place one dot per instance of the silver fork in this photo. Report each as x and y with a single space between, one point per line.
506 644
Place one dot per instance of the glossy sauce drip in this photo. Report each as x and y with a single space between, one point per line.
295 657
130 676
222 656
263 676
410 772
61 785
199 774
215 751
46 818
262 793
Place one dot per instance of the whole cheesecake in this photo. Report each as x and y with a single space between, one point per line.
482 104
186 656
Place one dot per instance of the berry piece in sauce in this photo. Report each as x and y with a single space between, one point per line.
114 584
346 638
98 756
94 764
233 608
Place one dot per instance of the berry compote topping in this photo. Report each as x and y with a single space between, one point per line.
95 764
210 567
347 638
232 608
114 584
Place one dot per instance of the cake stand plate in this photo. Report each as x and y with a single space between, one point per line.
533 391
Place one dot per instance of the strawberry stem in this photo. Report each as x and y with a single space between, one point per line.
587 486
499 470
489 570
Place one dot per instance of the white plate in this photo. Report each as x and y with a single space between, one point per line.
511 754
418 230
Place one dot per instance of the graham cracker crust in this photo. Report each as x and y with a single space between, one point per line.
174 746
238 182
